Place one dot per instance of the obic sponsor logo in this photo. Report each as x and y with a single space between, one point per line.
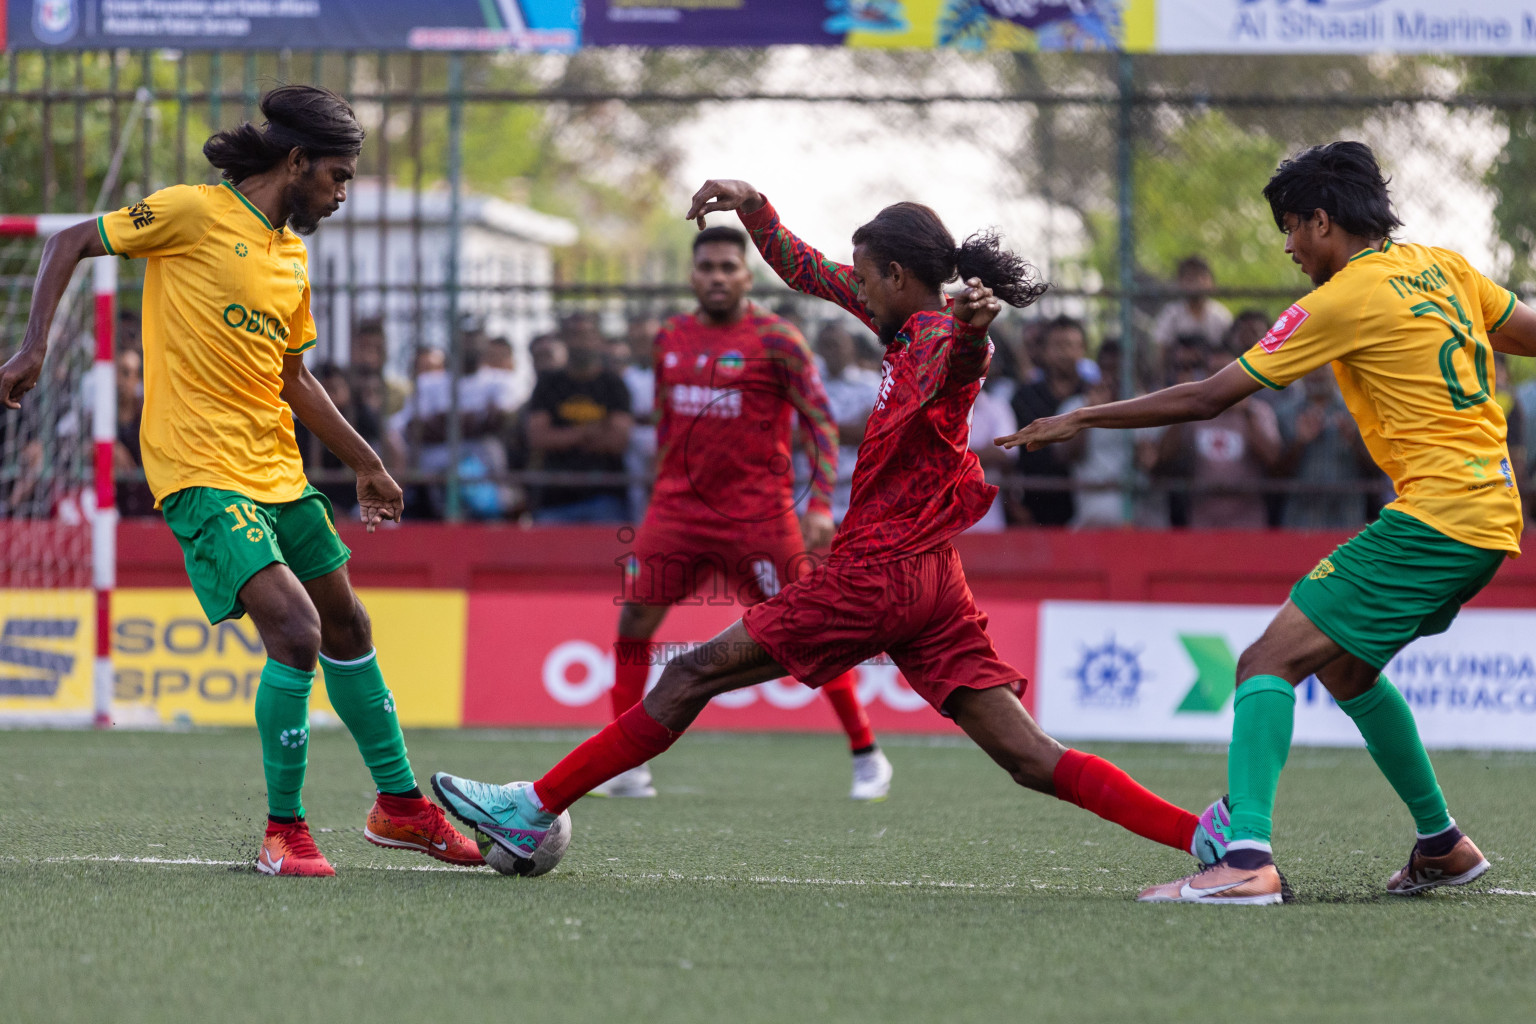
577 673
255 321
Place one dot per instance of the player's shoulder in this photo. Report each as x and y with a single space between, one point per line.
773 330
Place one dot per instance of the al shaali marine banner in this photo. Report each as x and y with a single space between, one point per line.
1346 26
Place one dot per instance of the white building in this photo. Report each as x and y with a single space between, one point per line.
385 253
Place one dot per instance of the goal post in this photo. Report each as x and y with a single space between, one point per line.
58 498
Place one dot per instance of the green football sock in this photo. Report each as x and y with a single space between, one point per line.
358 694
1263 718
1385 720
282 721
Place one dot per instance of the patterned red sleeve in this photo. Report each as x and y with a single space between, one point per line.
802 382
803 268
946 351
970 354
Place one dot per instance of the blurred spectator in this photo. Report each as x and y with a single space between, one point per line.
640 377
130 332
851 393
1109 459
1249 326
547 352
1062 343
1224 458
134 498
579 421
992 416
1196 312
1525 465
868 353
341 493
494 388
368 354
1322 445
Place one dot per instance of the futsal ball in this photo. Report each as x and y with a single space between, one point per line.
544 858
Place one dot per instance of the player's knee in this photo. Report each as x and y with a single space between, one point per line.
295 640
349 635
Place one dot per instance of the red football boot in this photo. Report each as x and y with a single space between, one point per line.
291 850
425 831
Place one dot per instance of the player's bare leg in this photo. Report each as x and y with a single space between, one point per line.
998 723
1291 649
632 656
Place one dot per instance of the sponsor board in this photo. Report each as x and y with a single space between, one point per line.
1346 26
47 649
547 660
170 665
1168 672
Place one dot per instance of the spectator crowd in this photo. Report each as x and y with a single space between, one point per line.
573 441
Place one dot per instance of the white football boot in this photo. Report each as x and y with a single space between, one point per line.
634 783
871 776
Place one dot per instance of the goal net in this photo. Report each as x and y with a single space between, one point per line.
57 520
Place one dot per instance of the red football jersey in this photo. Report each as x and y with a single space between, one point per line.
917 483
727 397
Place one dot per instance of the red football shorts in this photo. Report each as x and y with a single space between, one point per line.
919 610
674 561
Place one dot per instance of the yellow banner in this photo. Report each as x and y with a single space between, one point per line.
47 646
1009 25
171 666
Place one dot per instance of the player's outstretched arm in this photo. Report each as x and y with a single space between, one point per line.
62 253
378 496
801 267
1181 403
1517 336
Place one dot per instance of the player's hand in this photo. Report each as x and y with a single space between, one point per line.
1046 430
19 375
816 528
975 304
379 498
721 195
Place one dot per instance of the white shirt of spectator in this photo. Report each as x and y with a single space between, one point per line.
1176 319
991 416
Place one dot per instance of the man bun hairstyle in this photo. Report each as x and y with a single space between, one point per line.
1342 178
304 117
722 233
911 234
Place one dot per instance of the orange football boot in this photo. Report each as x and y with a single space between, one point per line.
1422 873
291 850
425 832
1224 884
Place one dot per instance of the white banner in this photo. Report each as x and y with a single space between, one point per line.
1346 26
1167 672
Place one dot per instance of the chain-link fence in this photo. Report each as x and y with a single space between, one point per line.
498 194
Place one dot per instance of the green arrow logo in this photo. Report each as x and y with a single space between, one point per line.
1215 674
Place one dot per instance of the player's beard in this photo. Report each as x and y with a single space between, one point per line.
888 332
304 215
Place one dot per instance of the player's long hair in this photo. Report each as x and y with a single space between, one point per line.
911 234
305 117
1340 177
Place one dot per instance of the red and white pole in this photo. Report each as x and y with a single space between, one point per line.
103 390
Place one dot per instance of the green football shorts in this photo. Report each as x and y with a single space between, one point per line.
1394 581
226 538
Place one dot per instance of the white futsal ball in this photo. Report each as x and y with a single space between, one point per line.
544 858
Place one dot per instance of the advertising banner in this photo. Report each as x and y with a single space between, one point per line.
293 24
547 660
47 644
922 24
1168 672
171 666
1346 26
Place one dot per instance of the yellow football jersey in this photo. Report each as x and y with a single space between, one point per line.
1406 328
226 297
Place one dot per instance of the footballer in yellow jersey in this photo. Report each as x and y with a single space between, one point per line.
1410 331
226 324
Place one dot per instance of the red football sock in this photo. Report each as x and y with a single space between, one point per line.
628 742
631 668
1098 786
843 695
405 806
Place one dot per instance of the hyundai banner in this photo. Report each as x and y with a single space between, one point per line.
1168 672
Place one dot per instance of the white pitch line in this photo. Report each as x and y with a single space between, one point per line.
1510 892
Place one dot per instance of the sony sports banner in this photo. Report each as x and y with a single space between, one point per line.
919 24
1168 672
547 25
1346 26
546 659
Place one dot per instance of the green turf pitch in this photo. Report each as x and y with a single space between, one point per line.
751 890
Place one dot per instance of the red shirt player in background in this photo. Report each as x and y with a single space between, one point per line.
730 381
892 581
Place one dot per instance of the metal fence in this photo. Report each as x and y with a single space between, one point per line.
1128 164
